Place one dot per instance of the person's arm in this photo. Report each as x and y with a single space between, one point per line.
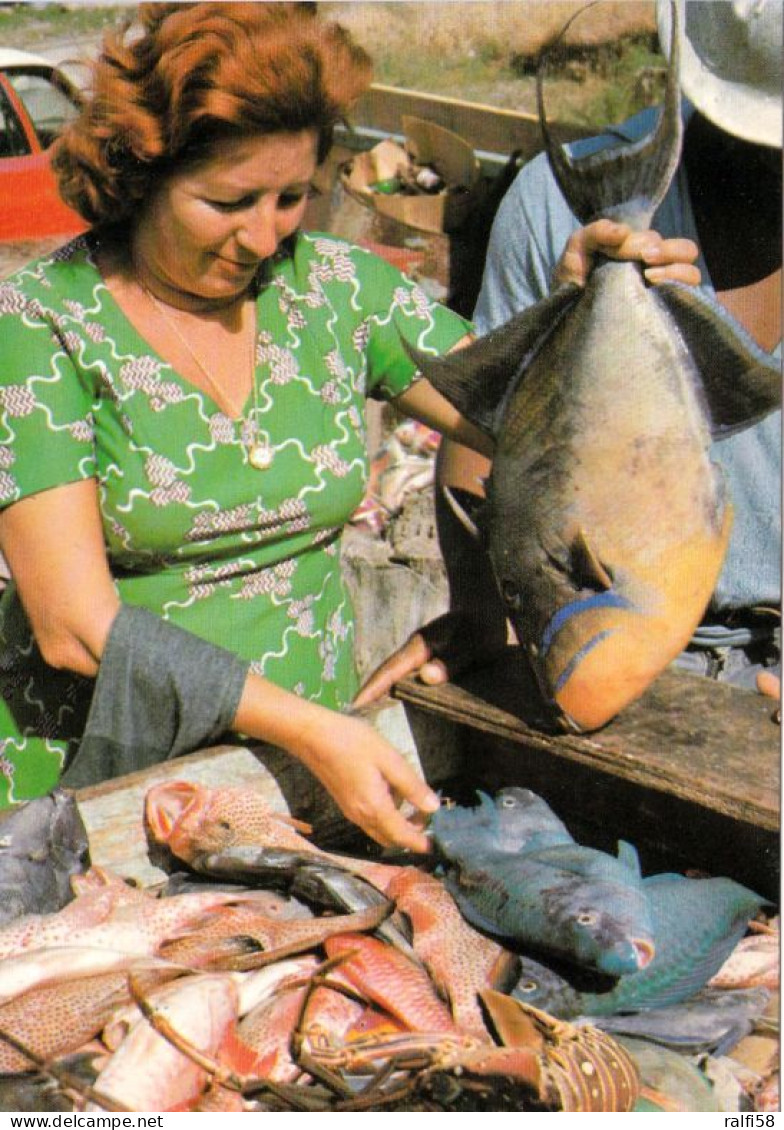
424 403
54 547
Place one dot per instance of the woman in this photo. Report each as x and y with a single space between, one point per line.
183 420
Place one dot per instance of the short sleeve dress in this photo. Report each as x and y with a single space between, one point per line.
244 558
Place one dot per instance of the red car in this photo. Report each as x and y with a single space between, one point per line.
36 101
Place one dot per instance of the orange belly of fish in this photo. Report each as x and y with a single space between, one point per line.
637 645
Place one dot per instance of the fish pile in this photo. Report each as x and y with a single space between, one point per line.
273 975
515 871
605 520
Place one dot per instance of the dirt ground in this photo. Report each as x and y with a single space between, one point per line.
521 26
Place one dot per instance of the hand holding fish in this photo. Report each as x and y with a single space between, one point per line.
667 260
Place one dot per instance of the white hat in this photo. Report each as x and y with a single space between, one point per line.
731 63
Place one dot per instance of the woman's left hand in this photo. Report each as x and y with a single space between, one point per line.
444 648
415 656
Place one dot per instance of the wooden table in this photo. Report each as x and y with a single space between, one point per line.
689 773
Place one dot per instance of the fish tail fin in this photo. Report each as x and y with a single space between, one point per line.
624 182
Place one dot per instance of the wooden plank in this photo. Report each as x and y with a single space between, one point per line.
689 773
692 737
486 128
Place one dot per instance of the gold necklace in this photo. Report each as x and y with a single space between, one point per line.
260 451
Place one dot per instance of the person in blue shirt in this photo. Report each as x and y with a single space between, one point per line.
718 227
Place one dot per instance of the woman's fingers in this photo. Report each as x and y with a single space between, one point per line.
434 673
442 649
396 829
404 661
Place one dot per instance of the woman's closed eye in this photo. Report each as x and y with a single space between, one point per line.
286 200
238 205
292 199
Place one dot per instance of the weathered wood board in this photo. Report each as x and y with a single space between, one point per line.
690 773
485 128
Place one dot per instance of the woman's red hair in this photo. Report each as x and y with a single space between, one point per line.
195 74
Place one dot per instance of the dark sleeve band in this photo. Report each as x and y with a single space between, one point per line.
160 692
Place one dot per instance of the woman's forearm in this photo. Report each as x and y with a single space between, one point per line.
269 713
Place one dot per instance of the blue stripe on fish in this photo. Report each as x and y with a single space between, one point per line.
607 599
578 657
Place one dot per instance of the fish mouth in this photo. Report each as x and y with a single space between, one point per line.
165 806
644 950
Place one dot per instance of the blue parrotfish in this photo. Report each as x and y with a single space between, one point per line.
577 903
696 923
669 1081
606 520
516 872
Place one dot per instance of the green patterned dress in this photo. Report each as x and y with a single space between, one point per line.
244 558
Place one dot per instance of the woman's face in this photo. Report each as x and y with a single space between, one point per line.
207 229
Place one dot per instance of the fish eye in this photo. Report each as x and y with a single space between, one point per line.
224 825
507 802
528 987
511 595
587 918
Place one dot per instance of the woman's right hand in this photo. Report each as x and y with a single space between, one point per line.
367 777
665 260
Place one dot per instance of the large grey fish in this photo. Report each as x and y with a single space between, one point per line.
43 842
714 1021
606 521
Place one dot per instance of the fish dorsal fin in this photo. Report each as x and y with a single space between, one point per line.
587 569
663 879
478 379
467 508
741 383
627 855
625 182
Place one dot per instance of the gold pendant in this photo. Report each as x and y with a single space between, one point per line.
260 456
